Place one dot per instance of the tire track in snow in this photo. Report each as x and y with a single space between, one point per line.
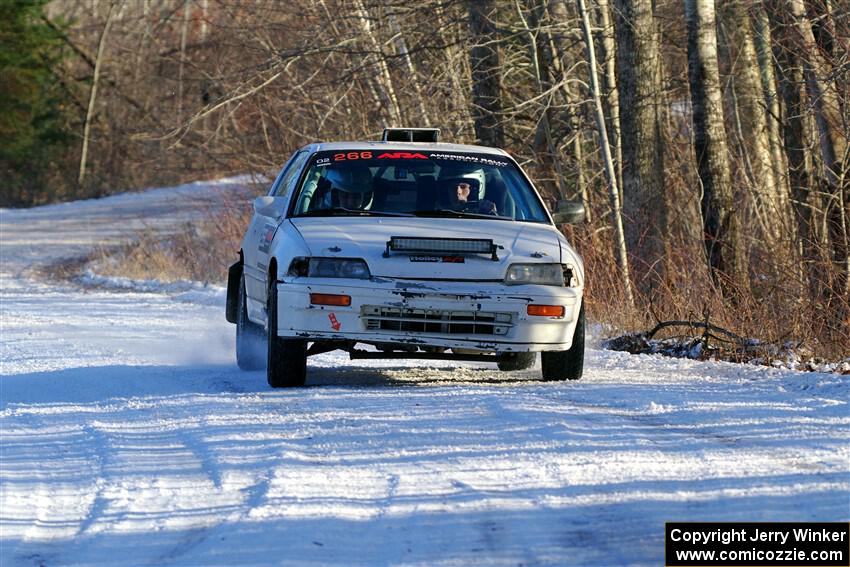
392 480
99 501
567 532
194 441
52 492
176 446
188 541
103 445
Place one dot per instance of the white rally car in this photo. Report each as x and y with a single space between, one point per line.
417 248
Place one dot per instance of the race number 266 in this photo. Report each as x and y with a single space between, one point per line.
352 156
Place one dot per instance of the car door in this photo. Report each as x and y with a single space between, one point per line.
261 231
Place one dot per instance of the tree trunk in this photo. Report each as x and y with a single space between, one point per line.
563 60
608 61
770 195
184 29
721 228
644 203
143 34
610 170
383 80
486 81
799 137
412 79
540 63
764 43
101 46
833 141
461 120
205 13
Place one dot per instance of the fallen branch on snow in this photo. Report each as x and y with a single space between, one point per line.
709 346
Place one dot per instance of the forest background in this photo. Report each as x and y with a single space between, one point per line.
709 142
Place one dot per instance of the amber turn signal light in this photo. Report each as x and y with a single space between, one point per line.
330 299
546 310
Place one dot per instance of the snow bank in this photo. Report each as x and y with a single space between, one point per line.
184 290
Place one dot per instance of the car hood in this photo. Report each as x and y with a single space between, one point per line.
367 237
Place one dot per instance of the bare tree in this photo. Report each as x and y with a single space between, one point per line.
541 61
610 171
644 201
566 65
767 75
771 194
452 70
799 138
833 140
608 61
486 82
98 64
721 224
413 79
383 80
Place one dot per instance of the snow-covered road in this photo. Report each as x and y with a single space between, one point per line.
130 437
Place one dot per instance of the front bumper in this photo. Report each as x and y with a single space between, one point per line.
485 317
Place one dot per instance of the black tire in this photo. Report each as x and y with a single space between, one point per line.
250 337
566 364
517 361
287 358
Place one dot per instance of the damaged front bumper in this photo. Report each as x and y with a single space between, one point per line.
480 317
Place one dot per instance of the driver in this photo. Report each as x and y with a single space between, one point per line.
351 187
459 193
464 191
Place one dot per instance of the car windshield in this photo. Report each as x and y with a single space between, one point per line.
416 183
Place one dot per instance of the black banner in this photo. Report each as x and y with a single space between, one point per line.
757 544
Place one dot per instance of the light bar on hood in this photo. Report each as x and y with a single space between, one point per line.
414 245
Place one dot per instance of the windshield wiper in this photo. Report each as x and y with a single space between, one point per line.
448 213
342 211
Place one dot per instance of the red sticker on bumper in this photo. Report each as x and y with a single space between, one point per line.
334 322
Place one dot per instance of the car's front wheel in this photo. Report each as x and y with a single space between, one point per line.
250 338
287 358
566 364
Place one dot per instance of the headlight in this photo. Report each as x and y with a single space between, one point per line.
544 274
329 268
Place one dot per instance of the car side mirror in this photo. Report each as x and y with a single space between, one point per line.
268 206
569 212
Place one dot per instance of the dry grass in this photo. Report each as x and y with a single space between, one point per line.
774 311
200 250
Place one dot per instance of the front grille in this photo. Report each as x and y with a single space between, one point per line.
435 321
